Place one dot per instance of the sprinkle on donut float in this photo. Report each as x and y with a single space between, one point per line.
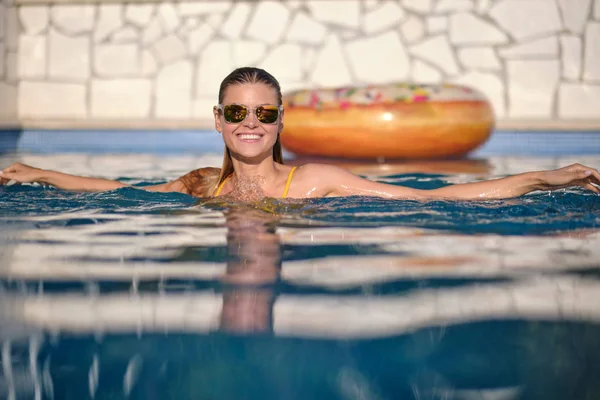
400 121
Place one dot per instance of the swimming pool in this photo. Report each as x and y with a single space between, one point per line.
131 294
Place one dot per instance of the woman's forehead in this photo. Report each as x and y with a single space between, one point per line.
250 94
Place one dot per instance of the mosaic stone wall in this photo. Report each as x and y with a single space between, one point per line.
9 41
534 59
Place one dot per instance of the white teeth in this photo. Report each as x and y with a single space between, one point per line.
249 137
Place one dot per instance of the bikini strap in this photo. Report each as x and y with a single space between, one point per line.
220 187
287 184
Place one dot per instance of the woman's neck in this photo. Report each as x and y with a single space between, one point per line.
252 181
265 168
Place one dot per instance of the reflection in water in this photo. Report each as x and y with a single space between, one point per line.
253 269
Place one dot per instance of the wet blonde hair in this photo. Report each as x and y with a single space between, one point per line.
241 76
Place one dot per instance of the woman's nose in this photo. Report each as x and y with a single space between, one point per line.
251 119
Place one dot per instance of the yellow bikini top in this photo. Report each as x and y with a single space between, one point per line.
285 190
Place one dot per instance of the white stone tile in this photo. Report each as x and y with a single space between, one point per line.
479 58
121 98
470 29
532 87
575 14
202 108
127 34
289 86
293 4
73 18
199 37
34 19
149 65
344 13
515 17
284 62
347 34
215 21
190 8
11 32
571 56
490 85
247 52
309 58
483 6
68 57
168 17
370 4
169 49
152 31
413 29
268 22
214 63
39 100
173 91
389 14
234 25
32 56
330 66
444 6
540 48
591 64
10 65
597 10
437 24
579 101
110 18
188 25
420 6
1 61
3 16
425 73
304 29
8 101
371 65
116 60
437 50
139 14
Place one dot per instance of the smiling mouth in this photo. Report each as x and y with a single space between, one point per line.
249 136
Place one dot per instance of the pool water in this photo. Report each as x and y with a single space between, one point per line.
137 295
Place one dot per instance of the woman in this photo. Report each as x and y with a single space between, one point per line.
250 118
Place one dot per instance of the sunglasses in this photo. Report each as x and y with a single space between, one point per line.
236 113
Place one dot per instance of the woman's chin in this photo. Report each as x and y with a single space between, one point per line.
247 155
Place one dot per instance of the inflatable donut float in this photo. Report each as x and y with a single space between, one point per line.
400 121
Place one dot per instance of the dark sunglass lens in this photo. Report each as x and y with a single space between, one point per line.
267 114
234 113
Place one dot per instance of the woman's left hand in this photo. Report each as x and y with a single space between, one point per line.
572 175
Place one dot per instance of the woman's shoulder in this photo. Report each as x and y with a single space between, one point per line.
321 174
321 170
321 180
200 181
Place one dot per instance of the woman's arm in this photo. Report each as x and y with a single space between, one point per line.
23 173
338 182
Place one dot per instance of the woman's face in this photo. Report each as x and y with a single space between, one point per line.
249 139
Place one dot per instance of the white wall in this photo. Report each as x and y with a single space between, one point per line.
9 40
534 59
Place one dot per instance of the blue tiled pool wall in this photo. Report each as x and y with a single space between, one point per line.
502 142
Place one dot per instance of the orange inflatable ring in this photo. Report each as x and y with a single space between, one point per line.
401 121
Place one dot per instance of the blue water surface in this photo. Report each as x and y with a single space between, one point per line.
286 325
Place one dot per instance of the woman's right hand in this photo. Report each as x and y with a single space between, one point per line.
21 173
